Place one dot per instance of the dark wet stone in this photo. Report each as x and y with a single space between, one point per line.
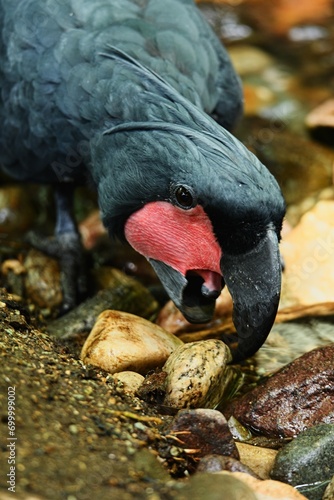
295 398
217 463
215 487
307 462
204 430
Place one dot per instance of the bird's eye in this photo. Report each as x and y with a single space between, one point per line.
184 197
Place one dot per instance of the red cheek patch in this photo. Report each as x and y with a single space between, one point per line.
183 239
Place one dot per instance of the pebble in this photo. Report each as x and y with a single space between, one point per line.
320 121
268 489
206 486
260 460
197 375
298 396
130 381
205 431
121 341
249 60
42 280
307 461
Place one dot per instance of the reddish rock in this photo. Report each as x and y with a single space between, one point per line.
295 398
205 431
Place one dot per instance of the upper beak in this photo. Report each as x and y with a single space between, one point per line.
254 282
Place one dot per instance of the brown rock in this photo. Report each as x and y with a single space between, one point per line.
308 252
297 397
260 460
322 115
204 431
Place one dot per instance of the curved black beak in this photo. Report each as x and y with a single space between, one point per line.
254 282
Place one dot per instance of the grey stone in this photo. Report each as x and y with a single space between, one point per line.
307 462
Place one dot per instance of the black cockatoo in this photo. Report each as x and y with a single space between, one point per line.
120 91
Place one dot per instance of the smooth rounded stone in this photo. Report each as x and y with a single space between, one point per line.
121 341
298 396
256 97
197 374
329 491
205 431
320 121
42 280
91 230
16 210
260 460
130 381
206 486
307 461
308 253
267 489
249 60
238 431
218 463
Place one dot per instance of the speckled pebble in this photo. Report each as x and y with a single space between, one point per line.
197 375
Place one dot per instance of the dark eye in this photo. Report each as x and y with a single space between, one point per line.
184 197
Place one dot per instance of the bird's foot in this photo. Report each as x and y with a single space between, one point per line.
68 250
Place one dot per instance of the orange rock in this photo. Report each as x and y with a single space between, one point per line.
279 16
268 489
308 252
322 115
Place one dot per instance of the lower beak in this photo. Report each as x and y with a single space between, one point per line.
195 302
254 282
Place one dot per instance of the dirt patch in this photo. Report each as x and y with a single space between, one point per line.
78 435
